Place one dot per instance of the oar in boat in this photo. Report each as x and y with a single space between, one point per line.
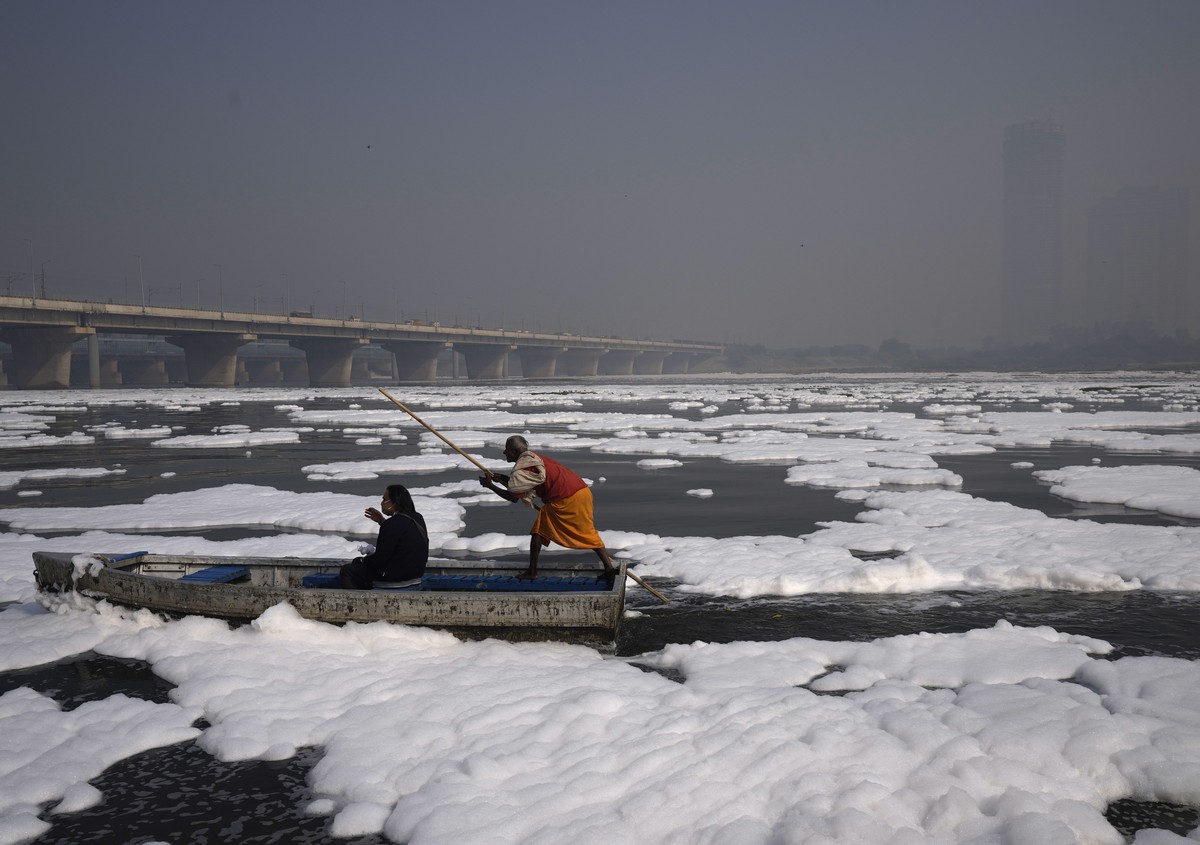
491 474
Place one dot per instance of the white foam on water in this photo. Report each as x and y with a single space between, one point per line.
996 734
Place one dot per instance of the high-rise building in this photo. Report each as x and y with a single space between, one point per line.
1137 257
1033 178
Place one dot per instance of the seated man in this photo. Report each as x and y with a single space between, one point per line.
402 549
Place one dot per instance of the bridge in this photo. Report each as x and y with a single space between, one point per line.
42 333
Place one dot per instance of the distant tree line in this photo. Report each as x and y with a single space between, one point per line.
1101 347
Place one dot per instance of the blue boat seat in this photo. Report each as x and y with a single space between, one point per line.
321 580
128 556
217 574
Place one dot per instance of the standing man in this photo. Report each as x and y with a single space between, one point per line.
566 514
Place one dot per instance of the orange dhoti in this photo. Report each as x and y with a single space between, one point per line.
568 522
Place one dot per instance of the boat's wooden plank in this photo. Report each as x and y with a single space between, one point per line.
318 580
512 584
217 574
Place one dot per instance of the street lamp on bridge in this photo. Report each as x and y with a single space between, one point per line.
142 282
32 277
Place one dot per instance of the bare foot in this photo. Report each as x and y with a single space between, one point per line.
527 575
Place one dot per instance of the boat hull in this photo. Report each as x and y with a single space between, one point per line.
154 582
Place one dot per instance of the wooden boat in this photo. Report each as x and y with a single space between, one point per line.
470 598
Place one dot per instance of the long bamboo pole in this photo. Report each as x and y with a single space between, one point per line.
648 588
491 474
437 433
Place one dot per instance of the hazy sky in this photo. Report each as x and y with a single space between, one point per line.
790 173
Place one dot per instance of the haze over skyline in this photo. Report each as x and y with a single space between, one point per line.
790 174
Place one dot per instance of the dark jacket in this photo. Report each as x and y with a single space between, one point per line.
401 550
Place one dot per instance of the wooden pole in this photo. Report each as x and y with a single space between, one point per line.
437 433
490 474
648 588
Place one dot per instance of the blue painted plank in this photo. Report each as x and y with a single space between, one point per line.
217 575
322 579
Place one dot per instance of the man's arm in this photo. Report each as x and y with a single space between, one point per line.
490 483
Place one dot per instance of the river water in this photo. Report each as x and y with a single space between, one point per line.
161 793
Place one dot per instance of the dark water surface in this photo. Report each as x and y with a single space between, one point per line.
181 794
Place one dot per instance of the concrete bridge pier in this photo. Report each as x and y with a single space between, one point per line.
211 358
41 357
330 359
264 371
294 370
93 347
581 362
363 370
677 362
539 361
617 362
143 371
110 373
485 360
649 363
416 360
